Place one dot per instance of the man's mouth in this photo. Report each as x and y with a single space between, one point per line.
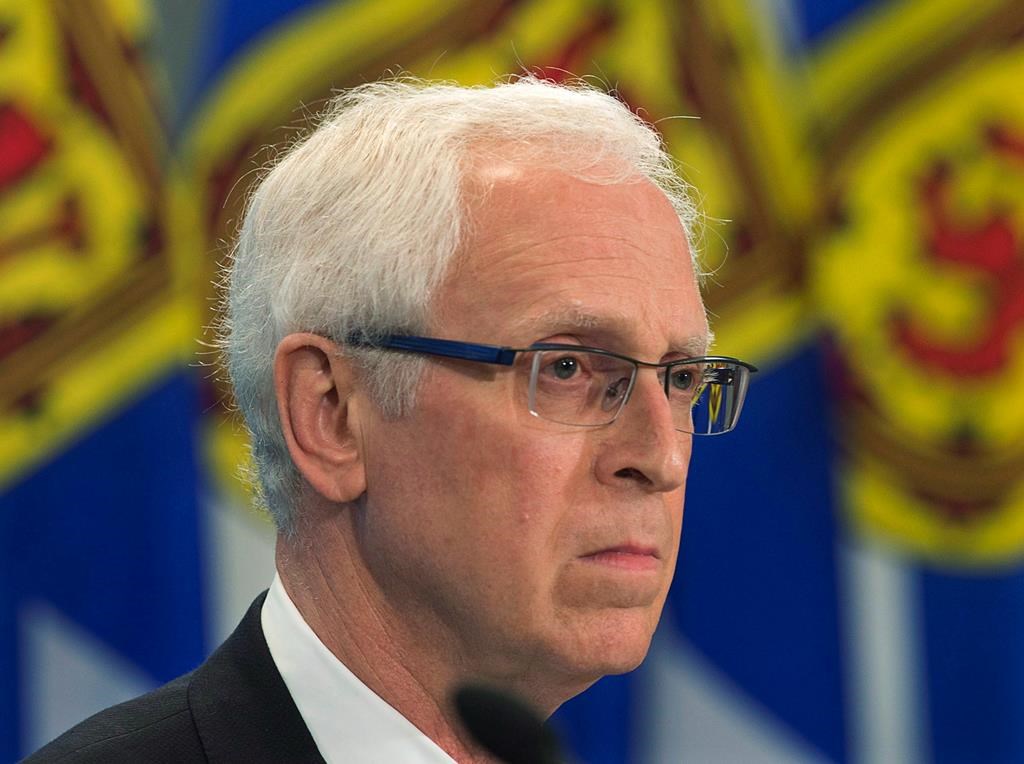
626 557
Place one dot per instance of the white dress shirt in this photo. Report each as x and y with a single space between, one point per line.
349 722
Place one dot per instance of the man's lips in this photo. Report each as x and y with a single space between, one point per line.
626 557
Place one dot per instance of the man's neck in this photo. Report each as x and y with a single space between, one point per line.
324 576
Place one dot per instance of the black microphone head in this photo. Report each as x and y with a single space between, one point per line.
506 726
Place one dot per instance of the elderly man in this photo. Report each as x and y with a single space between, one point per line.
465 331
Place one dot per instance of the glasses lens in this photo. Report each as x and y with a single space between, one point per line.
707 396
578 388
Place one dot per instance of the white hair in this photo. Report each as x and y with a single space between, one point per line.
355 226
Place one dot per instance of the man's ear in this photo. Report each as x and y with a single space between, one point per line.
315 388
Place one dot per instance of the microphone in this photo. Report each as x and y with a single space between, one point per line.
506 726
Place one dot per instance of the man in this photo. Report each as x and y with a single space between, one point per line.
434 307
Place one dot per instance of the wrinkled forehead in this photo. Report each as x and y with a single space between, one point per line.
506 189
546 247
613 330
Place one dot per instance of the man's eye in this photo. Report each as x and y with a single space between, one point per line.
565 368
682 379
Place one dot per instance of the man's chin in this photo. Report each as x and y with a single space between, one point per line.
562 665
613 642
625 658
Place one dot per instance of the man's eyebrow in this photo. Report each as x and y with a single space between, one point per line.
570 317
695 347
577 319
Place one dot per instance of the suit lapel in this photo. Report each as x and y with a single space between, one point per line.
241 706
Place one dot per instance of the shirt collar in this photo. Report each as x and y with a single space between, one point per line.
348 720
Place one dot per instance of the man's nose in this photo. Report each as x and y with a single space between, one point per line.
642 445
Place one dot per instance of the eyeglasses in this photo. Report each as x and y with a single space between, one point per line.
587 387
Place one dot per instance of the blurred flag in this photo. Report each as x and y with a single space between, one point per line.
849 587
98 515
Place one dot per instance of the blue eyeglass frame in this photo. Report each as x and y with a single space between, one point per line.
506 356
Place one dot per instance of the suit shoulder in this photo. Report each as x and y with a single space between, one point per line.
155 727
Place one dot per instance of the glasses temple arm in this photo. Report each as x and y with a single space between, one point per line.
465 351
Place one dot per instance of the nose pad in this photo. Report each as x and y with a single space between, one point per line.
617 394
657 407
645 448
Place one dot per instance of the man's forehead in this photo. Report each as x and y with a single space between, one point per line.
548 252
504 187
614 325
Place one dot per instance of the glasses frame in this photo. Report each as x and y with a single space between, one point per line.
505 356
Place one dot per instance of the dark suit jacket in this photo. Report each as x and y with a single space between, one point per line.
233 708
